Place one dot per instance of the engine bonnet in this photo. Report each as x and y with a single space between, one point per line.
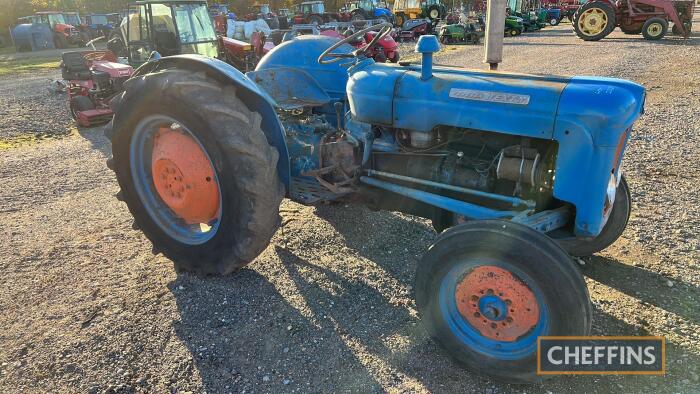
528 105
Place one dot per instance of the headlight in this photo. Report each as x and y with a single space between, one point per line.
610 195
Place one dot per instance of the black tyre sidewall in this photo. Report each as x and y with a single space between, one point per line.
649 22
613 229
215 252
562 286
609 12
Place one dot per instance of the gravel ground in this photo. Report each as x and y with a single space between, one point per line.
328 307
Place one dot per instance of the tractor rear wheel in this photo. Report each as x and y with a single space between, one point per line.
433 13
195 169
80 104
616 224
655 28
485 291
594 20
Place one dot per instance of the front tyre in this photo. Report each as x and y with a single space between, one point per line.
613 229
195 170
486 290
655 28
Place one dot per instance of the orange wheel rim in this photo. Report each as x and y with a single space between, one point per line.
497 303
184 177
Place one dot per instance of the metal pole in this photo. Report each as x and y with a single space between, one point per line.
495 26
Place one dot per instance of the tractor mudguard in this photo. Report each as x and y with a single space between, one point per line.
253 96
590 118
302 53
593 125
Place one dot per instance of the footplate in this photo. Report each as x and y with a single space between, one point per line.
308 190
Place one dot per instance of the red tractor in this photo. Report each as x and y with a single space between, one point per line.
597 18
64 34
94 77
310 12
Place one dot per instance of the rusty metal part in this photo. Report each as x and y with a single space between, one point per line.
184 177
497 303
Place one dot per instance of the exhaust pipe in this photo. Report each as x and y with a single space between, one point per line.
495 26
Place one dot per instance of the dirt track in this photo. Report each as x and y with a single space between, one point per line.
328 307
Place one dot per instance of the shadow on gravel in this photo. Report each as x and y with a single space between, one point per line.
682 299
97 138
244 335
692 41
537 44
307 326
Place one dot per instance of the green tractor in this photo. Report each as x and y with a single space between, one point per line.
467 33
514 26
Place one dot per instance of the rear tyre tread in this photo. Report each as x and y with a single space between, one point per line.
242 145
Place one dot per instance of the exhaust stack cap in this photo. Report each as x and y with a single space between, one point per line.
427 45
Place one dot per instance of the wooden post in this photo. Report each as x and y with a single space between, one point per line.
495 25
12 38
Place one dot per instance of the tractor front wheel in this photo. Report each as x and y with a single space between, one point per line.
655 28
594 20
616 224
486 290
196 170
553 22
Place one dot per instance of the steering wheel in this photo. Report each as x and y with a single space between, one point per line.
384 30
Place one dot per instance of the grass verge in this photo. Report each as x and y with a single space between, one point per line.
24 66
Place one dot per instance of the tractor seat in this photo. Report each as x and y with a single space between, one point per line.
74 66
290 88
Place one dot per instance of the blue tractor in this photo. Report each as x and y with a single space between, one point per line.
517 172
370 10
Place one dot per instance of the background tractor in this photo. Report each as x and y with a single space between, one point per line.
468 33
313 12
170 27
370 10
515 171
514 26
595 19
102 25
404 10
64 34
